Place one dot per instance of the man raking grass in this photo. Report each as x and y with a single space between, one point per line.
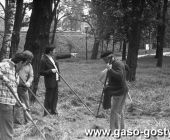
115 90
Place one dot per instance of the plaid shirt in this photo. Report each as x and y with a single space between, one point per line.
7 67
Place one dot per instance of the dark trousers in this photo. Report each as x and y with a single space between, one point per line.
6 122
19 114
51 98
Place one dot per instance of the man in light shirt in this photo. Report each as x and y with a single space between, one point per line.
27 75
9 69
50 70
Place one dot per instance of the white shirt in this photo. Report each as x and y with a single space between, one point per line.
52 60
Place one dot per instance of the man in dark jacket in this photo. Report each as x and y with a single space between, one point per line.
50 70
116 90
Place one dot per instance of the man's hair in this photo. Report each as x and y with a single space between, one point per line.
19 57
28 54
49 49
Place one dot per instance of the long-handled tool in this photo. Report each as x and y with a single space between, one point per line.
101 98
35 96
26 112
76 94
99 104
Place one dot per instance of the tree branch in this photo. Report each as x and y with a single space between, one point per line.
2 18
55 8
2 7
1 35
83 20
64 16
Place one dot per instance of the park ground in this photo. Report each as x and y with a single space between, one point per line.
150 108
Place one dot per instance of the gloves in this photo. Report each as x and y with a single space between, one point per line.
28 84
24 106
54 70
109 66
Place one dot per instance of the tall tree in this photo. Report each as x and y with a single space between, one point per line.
21 8
17 27
158 28
38 34
98 10
107 15
124 50
56 15
9 23
161 34
134 37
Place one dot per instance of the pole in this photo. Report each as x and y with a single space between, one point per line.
99 104
26 112
101 97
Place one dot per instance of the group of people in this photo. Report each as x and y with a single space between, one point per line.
11 72
18 73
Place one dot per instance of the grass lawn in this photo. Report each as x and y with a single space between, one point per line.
150 108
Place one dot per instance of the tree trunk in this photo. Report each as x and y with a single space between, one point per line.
97 38
54 30
17 27
134 38
160 45
98 31
134 43
124 51
161 29
156 55
95 48
107 45
102 45
113 46
55 20
38 34
121 44
158 29
9 24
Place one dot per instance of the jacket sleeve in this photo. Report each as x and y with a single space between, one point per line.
116 71
43 70
63 56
